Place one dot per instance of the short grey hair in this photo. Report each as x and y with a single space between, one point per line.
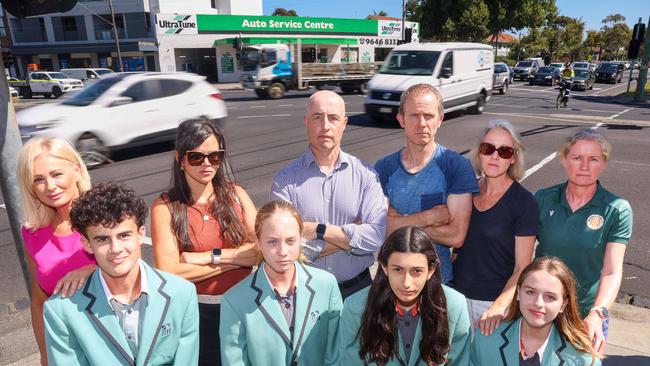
420 89
515 171
588 134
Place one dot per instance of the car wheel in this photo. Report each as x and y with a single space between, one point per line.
504 88
92 150
276 91
480 105
56 91
261 93
47 95
363 88
347 89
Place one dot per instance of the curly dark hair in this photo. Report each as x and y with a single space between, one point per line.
378 331
107 204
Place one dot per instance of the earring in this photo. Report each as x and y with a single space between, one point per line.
182 167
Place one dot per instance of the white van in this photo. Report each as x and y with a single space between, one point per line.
462 72
88 75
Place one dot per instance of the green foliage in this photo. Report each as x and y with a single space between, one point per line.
518 14
381 13
508 61
448 20
284 12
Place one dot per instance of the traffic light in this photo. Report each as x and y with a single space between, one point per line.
31 8
637 40
236 44
408 35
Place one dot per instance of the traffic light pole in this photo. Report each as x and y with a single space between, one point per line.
643 66
10 144
117 38
629 80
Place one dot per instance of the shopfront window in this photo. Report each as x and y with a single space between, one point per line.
350 54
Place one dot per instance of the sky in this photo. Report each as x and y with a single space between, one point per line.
591 11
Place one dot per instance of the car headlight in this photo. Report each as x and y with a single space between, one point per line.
548 77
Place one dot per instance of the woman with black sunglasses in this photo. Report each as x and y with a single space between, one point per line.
501 234
202 228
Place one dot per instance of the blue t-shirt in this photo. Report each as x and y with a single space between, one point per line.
409 193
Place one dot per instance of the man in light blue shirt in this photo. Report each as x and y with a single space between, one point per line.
338 196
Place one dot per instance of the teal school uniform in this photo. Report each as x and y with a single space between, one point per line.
254 331
83 330
501 348
459 332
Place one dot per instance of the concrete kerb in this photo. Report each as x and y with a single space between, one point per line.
228 86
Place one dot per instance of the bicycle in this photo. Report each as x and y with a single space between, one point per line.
563 97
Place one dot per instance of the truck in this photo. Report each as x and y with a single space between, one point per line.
269 70
46 83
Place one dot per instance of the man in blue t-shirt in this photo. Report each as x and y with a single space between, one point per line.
427 184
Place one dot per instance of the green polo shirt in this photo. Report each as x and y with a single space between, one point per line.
579 238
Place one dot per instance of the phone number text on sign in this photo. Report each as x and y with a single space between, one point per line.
378 42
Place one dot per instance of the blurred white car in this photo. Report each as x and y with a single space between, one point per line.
124 110
13 93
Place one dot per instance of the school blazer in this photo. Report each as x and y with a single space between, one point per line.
83 330
501 348
459 332
253 330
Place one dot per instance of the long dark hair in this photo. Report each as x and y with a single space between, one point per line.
378 331
191 134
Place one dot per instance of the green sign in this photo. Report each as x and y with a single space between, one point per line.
208 24
227 65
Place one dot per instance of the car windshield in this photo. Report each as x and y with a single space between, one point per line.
580 65
525 64
547 69
609 67
58 75
500 68
582 74
556 65
250 58
410 63
91 93
103 71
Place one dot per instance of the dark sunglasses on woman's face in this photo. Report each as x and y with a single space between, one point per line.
195 158
487 149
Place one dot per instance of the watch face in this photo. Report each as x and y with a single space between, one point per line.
216 251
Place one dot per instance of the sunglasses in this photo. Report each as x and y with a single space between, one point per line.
195 158
487 149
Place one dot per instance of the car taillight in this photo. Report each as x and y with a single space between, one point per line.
217 96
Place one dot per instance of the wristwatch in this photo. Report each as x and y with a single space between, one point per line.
602 312
320 231
216 255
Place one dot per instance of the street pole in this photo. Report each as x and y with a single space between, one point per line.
643 66
10 144
117 38
403 21
629 80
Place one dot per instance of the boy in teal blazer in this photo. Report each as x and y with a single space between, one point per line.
127 313
253 330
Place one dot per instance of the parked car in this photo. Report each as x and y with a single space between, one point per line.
523 69
46 83
583 79
557 65
88 75
501 80
13 93
610 72
124 110
545 75
581 65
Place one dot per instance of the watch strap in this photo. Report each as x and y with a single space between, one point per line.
320 231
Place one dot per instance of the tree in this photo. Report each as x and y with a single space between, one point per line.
449 20
563 37
615 36
381 13
282 12
517 14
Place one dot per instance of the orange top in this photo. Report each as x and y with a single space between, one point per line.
205 235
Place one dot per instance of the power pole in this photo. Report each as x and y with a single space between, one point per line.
117 38
643 66
403 20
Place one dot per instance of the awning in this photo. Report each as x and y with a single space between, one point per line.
267 40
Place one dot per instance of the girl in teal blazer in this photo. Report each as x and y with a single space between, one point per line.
406 317
543 325
285 313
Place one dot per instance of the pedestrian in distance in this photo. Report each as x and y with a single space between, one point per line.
286 312
407 317
427 185
51 175
587 227
202 227
543 326
502 229
127 313
337 195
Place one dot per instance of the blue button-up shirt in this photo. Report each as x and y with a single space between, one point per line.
351 193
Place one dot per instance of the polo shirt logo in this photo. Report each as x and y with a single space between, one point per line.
551 212
166 329
315 316
595 222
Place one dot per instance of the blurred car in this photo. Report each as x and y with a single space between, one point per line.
13 93
124 110
545 75
523 69
501 79
610 72
583 80
580 65
558 65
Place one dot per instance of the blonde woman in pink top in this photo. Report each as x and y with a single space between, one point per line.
51 175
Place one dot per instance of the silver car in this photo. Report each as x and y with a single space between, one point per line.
501 80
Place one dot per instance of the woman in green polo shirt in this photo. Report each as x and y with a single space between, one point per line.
587 227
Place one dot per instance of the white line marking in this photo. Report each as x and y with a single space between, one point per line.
630 163
610 88
265 115
528 107
257 106
285 105
619 113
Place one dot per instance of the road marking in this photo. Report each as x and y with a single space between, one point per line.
257 106
610 88
265 115
549 158
629 162
530 106
619 113
285 105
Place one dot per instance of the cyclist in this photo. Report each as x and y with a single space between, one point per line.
567 79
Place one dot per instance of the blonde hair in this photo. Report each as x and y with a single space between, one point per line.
589 135
38 215
271 208
516 170
568 322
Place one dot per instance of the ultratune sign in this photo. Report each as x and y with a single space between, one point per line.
393 28
174 24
